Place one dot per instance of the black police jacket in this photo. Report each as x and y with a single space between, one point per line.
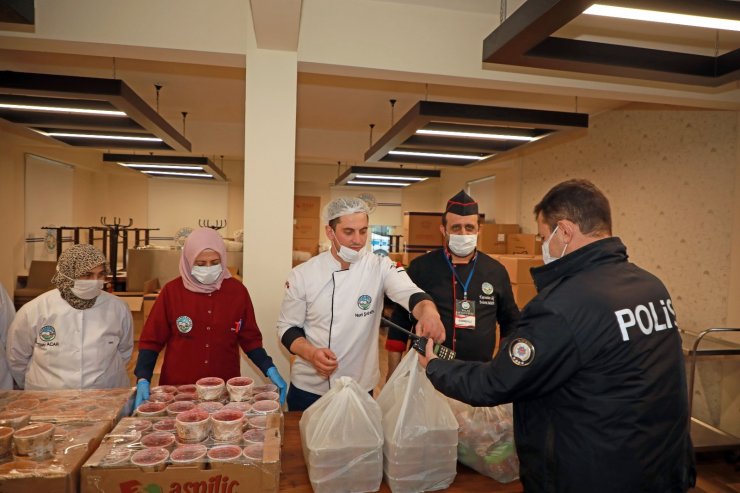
596 373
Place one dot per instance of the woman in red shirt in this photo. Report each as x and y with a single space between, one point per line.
203 317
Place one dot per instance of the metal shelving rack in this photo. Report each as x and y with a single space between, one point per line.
706 437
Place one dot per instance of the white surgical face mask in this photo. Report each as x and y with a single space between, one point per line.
206 274
546 257
462 245
87 289
347 254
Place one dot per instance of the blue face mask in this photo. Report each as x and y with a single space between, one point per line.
206 274
546 257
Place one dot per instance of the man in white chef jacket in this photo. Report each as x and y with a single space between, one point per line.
7 312
331 311
76 336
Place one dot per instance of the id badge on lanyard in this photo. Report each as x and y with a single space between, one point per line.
464 315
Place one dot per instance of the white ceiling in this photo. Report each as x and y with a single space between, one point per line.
334 111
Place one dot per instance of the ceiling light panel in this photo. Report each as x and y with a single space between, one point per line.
64 107
384 177
451 134
168 166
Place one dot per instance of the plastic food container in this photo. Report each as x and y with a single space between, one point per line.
267 396
151 459
140 425
6 440
265 407
239 388
253 453
117 456
152 409
186 455
268 387
192 426
186 396
180 407
254 436
35 440
158 439
258 422
163 389
209 388
186 389
167 424
210 406
226 424
162 397
14 419
225 453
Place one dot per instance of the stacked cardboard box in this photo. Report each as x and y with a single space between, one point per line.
110 468
523 244
522 283
306 224
492 237
420 234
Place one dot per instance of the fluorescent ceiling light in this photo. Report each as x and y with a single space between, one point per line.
386 177
161 166
437 155
663 17
59 109
175 173
474 135
376 183
102 137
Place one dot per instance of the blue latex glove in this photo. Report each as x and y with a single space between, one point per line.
273 375
142 392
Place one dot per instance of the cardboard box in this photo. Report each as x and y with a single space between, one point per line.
523 244
71 406
306 206
209 477
523 293
306 228
410 252
422 228
60 473
306 245
492 237
136 305
517 266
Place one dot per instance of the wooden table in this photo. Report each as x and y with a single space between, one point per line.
294 475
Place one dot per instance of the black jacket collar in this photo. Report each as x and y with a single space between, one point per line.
608 250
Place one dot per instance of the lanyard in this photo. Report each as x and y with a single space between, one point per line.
454 273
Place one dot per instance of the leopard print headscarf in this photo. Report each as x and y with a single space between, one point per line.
74 262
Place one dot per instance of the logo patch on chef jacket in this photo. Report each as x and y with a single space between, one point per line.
364 301
47 333
521 352
184 324
487 288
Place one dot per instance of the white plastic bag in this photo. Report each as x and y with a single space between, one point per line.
420 450
486 440
342 439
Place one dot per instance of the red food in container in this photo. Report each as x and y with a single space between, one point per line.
225 453
165 389
186 389
188 454
167 424
186 396
265 407
180 407
152 409
268 387
266 396
161 439
150 459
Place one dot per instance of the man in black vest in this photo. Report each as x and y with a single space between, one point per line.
594 367
472 291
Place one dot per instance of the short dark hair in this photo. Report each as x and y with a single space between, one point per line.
444 219
333 223
578 201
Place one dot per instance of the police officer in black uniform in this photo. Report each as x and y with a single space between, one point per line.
471 290
594 367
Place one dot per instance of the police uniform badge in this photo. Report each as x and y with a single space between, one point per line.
184 324
521 352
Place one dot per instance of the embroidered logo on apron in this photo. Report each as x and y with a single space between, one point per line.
47 333
364 301
184 324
